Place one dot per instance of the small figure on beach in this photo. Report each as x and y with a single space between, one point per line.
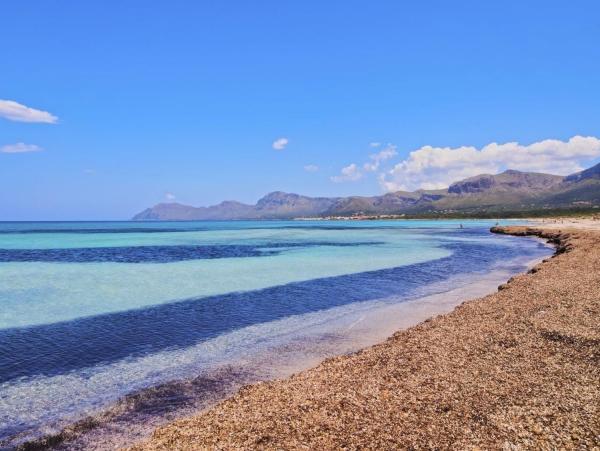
461 226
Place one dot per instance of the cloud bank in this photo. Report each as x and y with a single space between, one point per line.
438 167
14 111
20 148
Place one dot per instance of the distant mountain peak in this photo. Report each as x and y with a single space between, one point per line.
277 196
509 180
590 173
511 190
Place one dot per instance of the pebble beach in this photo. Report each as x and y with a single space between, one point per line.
517 369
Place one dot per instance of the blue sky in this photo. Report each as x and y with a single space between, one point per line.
185 100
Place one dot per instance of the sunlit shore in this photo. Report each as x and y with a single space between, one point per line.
515 369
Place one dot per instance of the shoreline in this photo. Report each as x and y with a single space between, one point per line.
416 401
125 423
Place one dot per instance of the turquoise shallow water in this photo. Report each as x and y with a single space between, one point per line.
43 292
92 311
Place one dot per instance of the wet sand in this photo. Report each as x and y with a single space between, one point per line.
518 369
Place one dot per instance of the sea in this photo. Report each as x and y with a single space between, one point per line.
109 329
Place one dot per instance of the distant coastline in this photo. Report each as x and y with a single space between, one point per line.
537 215
508 194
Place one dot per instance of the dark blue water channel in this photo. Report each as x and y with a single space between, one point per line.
159 254
62 347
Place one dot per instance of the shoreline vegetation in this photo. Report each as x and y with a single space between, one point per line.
515 369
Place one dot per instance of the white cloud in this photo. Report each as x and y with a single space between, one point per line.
13 111
437 167
385 154
311 168
170 196
20 148
350 173
280 144
374 144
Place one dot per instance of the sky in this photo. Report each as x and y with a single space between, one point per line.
109 107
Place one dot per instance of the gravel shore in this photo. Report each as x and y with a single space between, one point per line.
518 369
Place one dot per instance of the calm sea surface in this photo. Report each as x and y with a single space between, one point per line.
93 311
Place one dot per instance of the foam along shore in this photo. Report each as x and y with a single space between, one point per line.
516 369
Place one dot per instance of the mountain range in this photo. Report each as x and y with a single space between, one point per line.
508 192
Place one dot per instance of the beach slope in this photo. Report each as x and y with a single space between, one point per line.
516 369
